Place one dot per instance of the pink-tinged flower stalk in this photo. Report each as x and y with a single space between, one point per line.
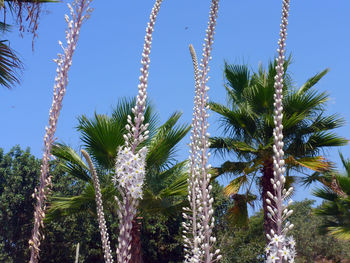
280 249
100 214
191 231
198 237
131 161
80 11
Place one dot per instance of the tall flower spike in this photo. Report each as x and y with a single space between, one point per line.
191 232
80 11
280 249
100 214
130 163
201 240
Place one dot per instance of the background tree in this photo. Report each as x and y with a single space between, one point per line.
101 137
247 124
336 206
19 173
246 244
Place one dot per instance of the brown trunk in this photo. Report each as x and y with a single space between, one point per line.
266 185
136 255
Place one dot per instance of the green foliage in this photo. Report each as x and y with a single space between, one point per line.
246 244
162 239
19 174
311 244
161 234
336 206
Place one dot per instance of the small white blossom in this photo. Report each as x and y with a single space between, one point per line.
285 253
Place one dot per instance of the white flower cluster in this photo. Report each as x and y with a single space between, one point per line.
286 253
130 170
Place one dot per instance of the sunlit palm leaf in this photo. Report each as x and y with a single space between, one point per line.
71 162
233 187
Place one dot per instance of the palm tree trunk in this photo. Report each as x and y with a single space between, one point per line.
266 186
136 255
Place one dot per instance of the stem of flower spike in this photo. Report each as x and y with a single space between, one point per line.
199 158
208 220
192 243
128 159
64 62
100 214
279 250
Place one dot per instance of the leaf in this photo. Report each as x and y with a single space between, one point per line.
233 187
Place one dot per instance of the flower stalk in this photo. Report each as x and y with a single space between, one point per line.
100 214
198 237
280 249
131 161
80 11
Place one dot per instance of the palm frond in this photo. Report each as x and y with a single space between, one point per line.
316 163
340 232
85 202
101 137
325 139
162 146
312 82
10 66
346 164
224 146
71 162
238 78
234 186
151 203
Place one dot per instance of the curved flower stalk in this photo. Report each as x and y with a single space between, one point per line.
280 249
131 161
100 214
80 11
198 236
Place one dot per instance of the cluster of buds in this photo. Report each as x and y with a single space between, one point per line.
280 249
80 11
131 161
137 131
199 220
106 245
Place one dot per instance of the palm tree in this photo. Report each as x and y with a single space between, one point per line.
101 137
10 64
336 206
247 124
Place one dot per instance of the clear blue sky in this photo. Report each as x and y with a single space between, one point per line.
107 61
